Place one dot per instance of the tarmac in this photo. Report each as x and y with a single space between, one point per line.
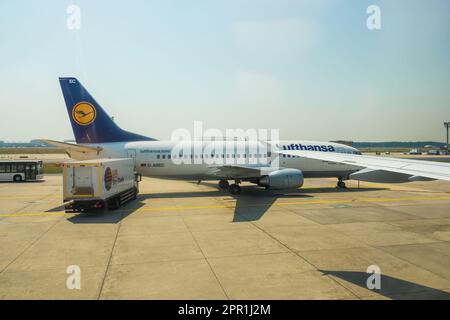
183 240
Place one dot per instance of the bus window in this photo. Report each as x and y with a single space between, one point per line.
2 168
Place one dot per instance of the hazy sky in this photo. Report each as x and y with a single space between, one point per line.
310 68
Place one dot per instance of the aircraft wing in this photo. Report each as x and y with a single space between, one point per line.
72 147
412 169
239 171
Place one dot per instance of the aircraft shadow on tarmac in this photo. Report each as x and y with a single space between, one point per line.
391 288
253 202
250 205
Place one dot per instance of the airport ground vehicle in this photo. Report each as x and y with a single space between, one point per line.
21 170
100 184
415 152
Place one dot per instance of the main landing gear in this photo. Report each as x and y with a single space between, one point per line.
233 188
341 184
224 185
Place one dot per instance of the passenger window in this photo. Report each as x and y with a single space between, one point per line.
168 156
164 156
158 156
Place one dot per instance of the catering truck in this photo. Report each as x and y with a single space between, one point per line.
99 184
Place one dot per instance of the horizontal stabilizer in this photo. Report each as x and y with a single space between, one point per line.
72 147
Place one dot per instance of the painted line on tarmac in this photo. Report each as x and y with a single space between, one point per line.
232 206
32 214
306 202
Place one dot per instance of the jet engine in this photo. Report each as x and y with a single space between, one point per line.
282 179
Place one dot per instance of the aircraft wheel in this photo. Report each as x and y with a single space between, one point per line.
234 189
224 185
341 184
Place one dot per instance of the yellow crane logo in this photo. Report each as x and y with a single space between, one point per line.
84 113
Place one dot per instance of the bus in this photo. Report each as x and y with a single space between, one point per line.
21 170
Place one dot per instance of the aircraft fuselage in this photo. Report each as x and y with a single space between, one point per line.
164 159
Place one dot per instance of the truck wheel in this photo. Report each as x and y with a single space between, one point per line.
17 178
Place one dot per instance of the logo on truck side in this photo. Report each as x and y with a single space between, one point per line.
108 178
84 113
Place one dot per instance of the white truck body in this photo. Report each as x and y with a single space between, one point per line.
99 179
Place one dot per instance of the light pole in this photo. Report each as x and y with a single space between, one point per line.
446 125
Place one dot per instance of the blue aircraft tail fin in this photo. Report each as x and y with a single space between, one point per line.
90 123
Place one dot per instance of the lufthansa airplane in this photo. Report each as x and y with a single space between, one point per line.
97 136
